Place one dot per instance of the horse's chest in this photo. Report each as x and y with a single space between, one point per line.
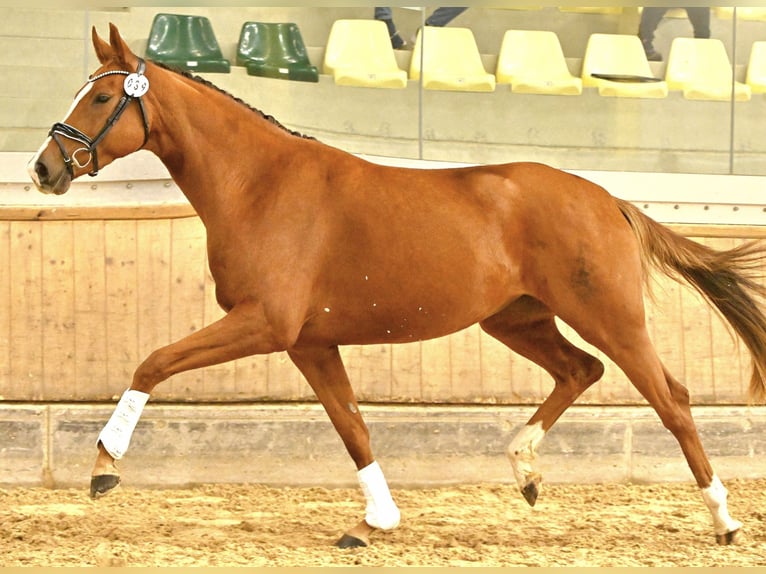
230 276
242 273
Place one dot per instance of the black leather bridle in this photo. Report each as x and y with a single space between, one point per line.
135 86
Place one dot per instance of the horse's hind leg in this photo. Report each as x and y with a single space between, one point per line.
713 492
528 327
670 399
622 335
324 371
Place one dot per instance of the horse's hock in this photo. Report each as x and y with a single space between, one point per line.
97 279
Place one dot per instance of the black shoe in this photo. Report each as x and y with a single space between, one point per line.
397 43
653 55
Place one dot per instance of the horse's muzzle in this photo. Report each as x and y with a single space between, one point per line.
48 179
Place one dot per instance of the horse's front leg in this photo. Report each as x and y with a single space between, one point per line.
242 332
324 370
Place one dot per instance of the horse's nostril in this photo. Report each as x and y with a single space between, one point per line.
42 171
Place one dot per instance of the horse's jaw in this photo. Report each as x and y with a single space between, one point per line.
58 188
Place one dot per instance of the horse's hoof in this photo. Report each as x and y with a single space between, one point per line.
732 537
530 492
348 541
103 484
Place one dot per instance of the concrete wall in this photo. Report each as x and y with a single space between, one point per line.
54 445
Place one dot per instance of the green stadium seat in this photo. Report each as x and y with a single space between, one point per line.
185 42
275 50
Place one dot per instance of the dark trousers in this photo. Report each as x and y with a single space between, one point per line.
650 19
440 17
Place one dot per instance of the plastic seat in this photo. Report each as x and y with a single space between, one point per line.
359 53
592 9
620 67
533 63
755 13
451 61
275 50
185 42
701 68
756 68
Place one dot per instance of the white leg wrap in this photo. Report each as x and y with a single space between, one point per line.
381 511
115 436
715 498
521 451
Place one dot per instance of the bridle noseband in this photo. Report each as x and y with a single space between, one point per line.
135 86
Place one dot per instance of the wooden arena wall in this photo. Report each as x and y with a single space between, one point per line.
92 285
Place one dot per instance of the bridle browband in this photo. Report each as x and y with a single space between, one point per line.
134 87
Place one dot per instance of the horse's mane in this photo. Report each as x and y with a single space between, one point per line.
204 82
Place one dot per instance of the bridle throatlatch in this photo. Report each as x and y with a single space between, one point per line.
136 84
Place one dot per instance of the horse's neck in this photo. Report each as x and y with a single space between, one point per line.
204 136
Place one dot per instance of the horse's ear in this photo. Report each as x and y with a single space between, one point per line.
103 50
120 47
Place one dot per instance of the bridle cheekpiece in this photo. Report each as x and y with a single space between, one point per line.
136 84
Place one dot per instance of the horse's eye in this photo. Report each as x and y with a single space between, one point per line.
103 98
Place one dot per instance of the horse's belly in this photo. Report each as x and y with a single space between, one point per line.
398 320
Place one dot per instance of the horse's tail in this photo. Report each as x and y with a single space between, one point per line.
727 279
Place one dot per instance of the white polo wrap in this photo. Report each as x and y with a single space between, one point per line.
115 436
381 510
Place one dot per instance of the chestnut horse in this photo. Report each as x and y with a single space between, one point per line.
311 248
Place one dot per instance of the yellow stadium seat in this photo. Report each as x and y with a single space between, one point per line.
616 64
757 13
592 9
359 53
533 63
701 69
451 61
756 68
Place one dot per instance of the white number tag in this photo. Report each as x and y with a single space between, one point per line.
135 85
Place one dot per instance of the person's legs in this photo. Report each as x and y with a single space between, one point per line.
383 13
444 15
650 19
700 20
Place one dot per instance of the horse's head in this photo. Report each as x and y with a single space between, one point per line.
106 121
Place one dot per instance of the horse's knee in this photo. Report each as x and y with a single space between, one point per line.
150 373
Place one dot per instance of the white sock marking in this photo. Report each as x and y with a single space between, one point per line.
521 451
715 498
